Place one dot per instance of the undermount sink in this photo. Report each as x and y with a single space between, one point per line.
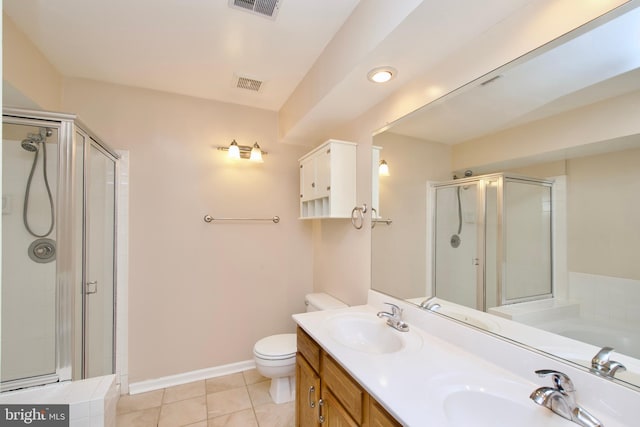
366 333
492 403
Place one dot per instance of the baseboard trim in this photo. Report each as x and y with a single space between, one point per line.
187 377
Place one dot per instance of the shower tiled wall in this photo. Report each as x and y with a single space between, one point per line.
605 297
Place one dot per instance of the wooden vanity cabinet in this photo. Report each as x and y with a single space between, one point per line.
327 395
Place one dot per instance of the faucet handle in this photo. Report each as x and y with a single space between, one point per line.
561 381
601 363
602 357
395 310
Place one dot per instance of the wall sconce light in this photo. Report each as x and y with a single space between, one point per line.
383 169
235 151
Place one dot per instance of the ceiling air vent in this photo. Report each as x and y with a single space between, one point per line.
266 8
247 83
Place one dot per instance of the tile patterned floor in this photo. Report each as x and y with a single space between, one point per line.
237 400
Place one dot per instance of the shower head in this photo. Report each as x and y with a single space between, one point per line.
33 139
30 145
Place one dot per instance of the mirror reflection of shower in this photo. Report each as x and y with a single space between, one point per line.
42 249
455 238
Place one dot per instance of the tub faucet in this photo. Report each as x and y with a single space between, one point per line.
601 365
561 399
429 304
394 319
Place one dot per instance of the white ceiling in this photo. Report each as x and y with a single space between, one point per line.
188 47
317 51
601 63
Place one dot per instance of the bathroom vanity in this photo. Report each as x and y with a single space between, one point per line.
355 370
327 394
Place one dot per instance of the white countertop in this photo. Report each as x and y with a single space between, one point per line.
414 382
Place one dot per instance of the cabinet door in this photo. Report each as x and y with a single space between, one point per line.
348 392
379 417
308 179
323 172
333 412
307 394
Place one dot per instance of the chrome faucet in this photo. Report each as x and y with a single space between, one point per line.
561 399
430 305
602 365
394 319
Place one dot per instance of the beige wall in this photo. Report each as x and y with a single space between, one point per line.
603 213
601 121
27 70
399 251
200 294
341 253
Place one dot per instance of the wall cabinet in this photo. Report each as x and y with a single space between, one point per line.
328 180
326 394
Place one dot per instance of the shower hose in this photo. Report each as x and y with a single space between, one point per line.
28 190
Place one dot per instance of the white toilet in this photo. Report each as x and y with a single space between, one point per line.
275 355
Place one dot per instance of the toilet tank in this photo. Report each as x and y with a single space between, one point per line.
322 301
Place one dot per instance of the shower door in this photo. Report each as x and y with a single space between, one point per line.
98 290
457 251
29 243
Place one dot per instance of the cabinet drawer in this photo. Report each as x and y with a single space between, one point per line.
309 349
352 397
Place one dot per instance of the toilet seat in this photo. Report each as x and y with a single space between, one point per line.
276 347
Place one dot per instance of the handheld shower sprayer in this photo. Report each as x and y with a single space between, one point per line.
32 144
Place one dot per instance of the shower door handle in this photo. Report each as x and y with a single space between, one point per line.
91 287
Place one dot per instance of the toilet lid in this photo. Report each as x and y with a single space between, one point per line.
276 347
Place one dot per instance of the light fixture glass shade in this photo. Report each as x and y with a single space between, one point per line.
234 150
383 169
256 154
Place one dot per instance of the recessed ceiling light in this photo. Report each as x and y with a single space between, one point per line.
381 74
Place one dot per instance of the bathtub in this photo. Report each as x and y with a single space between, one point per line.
599 333
92 402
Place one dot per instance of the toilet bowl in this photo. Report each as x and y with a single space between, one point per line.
275 355
275 358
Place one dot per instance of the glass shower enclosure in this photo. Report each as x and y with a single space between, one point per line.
58 250
492 241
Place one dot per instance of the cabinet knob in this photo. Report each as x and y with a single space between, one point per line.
301 196
313 185
329 188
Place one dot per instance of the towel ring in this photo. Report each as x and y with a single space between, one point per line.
357 216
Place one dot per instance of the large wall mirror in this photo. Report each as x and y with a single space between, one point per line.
546 155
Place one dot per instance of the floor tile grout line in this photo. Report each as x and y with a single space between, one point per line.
247 386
